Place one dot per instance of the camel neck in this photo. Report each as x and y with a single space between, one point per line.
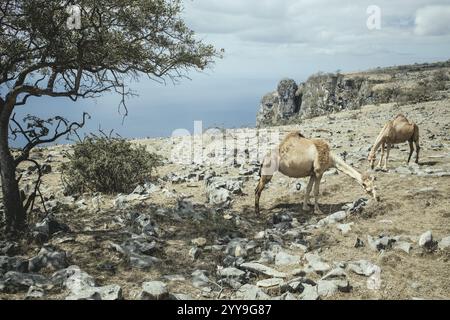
340 164
379 140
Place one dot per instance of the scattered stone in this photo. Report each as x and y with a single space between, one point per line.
345 228
309 293
174 278
338 278
444 243
281 217
316 263
337 273
362 267
381 243
287 296
110 292
403 170
194 253
326 288
122 201
48 258
35 293
238 247
199 242
18 264
219 190
43 230
9 248
142 262
185 207
181 296
154 290
426 239
199 279
260 235
251 292
332 218
78 281
260 268
358 205
14 281
269 283
403 246
231 272
284 259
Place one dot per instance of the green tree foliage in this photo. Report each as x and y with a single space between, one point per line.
43 53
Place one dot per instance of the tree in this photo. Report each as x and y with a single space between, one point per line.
81 49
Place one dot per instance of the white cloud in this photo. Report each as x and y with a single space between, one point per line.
433 20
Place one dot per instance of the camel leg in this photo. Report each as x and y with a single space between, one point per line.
417 150
316 194
307 192
411 149
388 149
382 155
259 188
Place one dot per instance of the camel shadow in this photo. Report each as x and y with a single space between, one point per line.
428 163
297 209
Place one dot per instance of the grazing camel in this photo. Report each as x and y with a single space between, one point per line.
395 131
299 157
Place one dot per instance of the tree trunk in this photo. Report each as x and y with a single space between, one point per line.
14 211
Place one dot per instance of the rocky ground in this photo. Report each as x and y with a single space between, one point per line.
192 232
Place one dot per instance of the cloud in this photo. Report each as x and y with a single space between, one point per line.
433 21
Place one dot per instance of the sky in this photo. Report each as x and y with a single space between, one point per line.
265 41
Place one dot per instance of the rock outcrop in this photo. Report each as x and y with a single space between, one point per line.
325 93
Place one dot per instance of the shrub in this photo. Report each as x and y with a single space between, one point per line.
439 79
108 165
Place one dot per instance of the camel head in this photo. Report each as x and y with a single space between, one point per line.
368 184
371 158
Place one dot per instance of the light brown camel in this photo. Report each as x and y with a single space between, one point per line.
299 157
395 131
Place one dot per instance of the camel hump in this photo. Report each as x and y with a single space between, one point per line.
294 134
400 115
323 151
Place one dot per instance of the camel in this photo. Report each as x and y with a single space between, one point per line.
395 131
299 157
